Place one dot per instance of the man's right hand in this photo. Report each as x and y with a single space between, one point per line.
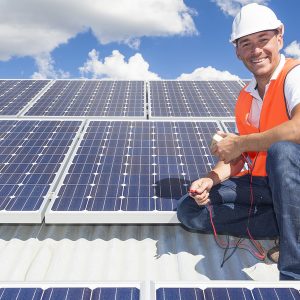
200 189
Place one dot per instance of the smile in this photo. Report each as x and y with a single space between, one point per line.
257 61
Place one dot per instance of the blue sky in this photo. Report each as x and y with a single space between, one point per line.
128 39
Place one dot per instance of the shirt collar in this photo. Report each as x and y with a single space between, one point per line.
253 84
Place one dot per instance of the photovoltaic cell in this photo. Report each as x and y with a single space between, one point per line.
227 294
131 293
135 166
21 293
16 94
30 156
73 293
230 126
91 98
67 294
276 294
116 294
179 294
193 98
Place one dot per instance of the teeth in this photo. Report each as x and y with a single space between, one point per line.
258 60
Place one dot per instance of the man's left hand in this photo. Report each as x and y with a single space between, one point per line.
228 149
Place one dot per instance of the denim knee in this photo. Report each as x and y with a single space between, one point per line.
278 153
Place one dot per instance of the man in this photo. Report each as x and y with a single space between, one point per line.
268 121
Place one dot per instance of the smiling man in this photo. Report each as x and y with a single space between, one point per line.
264 200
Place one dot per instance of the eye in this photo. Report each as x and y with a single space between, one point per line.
245 45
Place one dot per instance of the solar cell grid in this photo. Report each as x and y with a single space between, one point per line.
135 166
92 98
230 126
276 294
70 293
179 294
190 293
193 98
67 294
228 294
16 94
21 293
116 294
30 156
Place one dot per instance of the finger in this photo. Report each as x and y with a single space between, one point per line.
197 187
222 133
203 200
206 202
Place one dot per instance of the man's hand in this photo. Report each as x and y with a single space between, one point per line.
200 189
229 148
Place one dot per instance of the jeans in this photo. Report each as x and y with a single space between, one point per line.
275 210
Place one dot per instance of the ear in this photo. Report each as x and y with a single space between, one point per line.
280 37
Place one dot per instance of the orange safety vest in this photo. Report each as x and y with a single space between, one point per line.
274 112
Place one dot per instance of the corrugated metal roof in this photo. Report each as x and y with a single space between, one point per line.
121 253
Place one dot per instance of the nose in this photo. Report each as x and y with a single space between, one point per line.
255 49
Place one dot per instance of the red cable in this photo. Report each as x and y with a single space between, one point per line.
260 253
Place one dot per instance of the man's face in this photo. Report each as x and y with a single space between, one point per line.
260 52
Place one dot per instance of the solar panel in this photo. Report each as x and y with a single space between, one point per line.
16 94
230 126
276 293
116 294
31 153
179 294
132 172
92 98
193 98
227 293
227 290
67 293
21 293
70 293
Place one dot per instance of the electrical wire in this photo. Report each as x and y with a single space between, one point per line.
258 251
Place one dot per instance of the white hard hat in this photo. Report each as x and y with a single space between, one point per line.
253 18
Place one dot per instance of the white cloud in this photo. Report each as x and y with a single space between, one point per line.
208 73
293 49
32 27
115 67
232 7
46 69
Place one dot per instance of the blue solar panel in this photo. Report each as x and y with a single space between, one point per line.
92 98
21 293
193 98
67 294
31 153
70 293
227 294
116 294
276 294
135 166
16 94
179 294
230 126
